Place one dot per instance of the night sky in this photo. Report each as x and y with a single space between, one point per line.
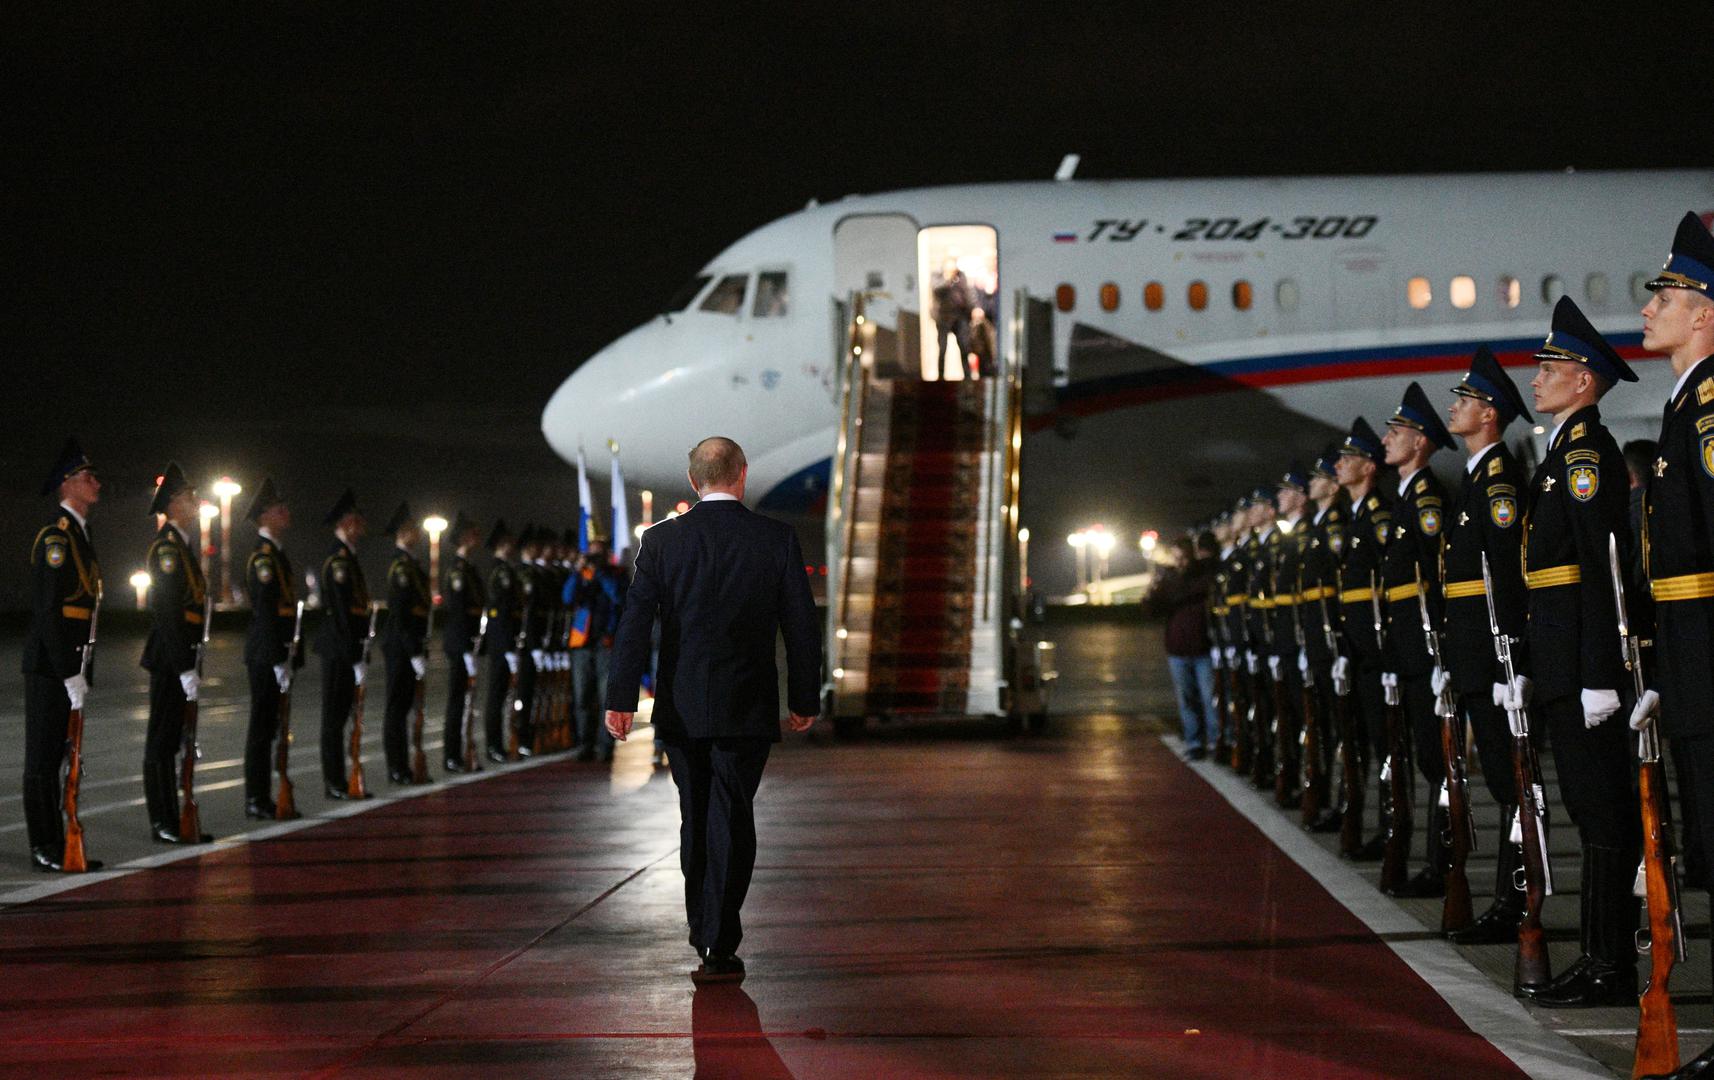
364 246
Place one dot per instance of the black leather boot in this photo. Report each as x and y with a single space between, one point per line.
1574 973
1701 1067
1430 881
43 822
1610 976
162 802
1499 924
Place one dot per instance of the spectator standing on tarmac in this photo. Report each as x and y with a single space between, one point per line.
1184 598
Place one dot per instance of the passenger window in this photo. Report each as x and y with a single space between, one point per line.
1065 297
1109 297
1595 288
1511 291
1242 295
1153 296
727 297
1640 288
1419 292
1286 294
1198 295
1462 292
1552 289
688 292
773 300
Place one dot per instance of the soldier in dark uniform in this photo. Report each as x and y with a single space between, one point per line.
1484 520
1578 498
404 642
1318 609
342 640
177 593
1236 572
1678 536
272 587
65 580
1411 567
538 600
1286 571
1361 665
462 603
1218 590
505 609
1259 631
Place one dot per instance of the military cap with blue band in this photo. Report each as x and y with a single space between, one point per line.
1327 465
1415 412
1487 382
172 482
347 504
1574 339
266 498
1690 265
71 461
1296 477
1263 494
1363 442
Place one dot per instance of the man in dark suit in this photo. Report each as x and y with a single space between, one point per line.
723 582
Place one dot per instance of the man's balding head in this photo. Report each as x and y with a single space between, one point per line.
718 464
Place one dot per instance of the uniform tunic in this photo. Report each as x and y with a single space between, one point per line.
464 600
272 587
1366 542
1410 569
505 615
341 644
177 594
408 600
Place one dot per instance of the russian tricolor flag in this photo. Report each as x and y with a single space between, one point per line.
585 504
1065 238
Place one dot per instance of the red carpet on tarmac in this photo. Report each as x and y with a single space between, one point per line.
925 906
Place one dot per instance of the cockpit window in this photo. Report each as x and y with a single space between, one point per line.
773 299
686 293
727 297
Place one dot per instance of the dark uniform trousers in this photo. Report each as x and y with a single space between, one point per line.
457 684
1416 698
717 781
589 666
1594 767
166 719
1693 762
494 718
264 727
401 695
1493 744
47 713
526 700
339 691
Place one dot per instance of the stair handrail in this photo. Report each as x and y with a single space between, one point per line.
851 386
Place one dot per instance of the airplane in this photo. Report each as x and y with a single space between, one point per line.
1204 332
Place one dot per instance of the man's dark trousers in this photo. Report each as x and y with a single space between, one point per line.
717 781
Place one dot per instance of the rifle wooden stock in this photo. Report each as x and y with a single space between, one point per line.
1353 784
1396 855
74 861
1532 967
1262 730
1284 741
513 707
354 785
1657 1025
1222 714
419 760
1314 778
1240 722
286 805
1456 913
190 816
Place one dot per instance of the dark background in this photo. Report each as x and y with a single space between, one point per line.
363 246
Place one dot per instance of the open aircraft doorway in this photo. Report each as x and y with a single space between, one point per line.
958 271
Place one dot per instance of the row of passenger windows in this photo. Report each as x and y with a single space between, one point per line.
1461 291
773 295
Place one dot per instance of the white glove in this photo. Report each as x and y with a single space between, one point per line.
538 659
1252 662
1232 657
1390 680
470 664
1342 675
1648 708
77 688
190 682
512 662
1274 667
1517 695
283 676
358 671
1217 658
1439 680
1303 661
1598 705
419 664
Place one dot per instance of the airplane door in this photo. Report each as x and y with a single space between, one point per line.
876 255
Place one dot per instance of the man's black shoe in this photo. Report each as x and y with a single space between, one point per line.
718 969
259 809
398 777
1424 884
526 751
1701 1067
334 791
45 861
1372 851
498 757
164 833
1564 979
453 765
1330 821
1496 926
1599 984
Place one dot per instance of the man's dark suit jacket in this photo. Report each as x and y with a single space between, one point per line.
723 581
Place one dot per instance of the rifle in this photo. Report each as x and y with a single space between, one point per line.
419 760
513 705
190 817
1351 779
468 721
1309 739
286 807
1657 1025
1222 696
1530 826
1455 913
1282 741
1265 733
75 861
354 781
1395 770
546 705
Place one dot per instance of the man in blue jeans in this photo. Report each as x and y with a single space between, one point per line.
1185 599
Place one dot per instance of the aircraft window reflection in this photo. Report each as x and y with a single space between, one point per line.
1109 297
1511 290
1462 292
1154 297
1595 288
1198 295
1286 294
1241 295
1419 292
1065 297
1640 288
689 291
1552 289
727 297
773 299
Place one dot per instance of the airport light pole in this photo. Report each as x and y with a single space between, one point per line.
434 525
140 581
1079 542
207 512
1101 544
1023 560
225 488
648 510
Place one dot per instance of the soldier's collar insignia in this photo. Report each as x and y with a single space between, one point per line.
1373 502
1705 391
1495 466
1421 486
1578 431
64 522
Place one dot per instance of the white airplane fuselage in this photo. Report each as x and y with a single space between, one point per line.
1156 410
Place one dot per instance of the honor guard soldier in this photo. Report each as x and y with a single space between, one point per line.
177 594
1258 631
404 643
505 608
1484 520
535 602
1412 567
1286 569
1236 573
273 590
1318 610
463 602
65 580
342 641
1366 539
1578 498
1678 536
